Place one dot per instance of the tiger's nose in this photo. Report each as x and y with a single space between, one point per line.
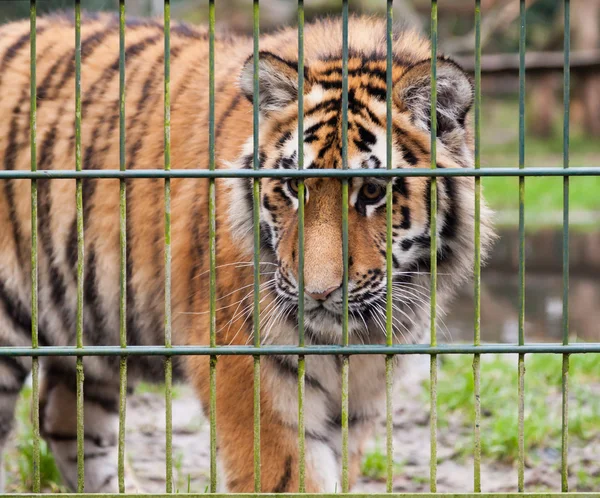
321 295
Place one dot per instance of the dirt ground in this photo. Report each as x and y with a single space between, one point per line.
145 447
146 443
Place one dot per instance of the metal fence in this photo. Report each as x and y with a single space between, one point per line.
345 350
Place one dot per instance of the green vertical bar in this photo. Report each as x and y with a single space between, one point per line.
389 359
521 364
477 258
433 253
301 194
346 359
565 317
212 251
168 360
35 408
256 213
80 250
122 253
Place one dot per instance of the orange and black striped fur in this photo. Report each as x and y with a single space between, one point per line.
279 234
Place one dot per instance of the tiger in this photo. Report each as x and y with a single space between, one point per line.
144 256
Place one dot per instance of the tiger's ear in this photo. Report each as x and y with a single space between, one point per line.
277 82
412 93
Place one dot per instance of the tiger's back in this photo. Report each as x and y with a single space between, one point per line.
144 149
57 229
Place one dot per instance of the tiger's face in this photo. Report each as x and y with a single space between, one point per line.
411 198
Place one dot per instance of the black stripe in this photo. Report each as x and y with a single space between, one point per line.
92 299
402 136
89 456
87 47
362 147
219 128
58 288
108 405
92 159
197 250
15 311
374 91
284 482
55 278
353 419
99 88
333 104
148 93
21 322
405 223
186 31
451 217
408 155
20 315
25 97
266 237
285 366
406 244
147 100
100 85
57 284
10 158
284 138
14 220
59 373
185 83
132 331
355 106
42 89
46 149
13 50
106 481
57 436
8 391
72 249
19 370
374 72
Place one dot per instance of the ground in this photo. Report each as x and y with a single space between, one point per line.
145 439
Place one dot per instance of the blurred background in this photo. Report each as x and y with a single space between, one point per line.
544 146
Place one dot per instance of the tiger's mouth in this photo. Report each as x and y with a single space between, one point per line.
327 316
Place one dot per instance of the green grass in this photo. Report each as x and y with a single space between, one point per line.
499 429
374 464
543 196
150 388
20 462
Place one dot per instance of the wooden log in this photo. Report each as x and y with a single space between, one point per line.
535 62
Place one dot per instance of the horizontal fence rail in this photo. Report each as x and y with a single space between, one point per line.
306 173
323 495
581 348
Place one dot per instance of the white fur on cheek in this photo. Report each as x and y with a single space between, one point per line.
239 217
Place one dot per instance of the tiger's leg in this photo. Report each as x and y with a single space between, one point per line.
358 437
58 424
13 372
235 436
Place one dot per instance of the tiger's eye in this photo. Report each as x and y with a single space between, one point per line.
293 184
372 192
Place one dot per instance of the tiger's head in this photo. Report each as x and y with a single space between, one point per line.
410 148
